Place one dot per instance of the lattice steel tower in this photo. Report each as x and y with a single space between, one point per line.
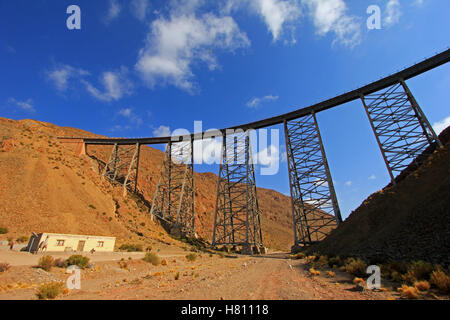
315 209
237 217
400 127
173 201
123 166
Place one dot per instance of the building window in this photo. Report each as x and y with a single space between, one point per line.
100 244
59 243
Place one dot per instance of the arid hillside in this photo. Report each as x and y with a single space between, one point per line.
46 186
408 221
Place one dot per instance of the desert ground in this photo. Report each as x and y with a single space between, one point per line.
273 276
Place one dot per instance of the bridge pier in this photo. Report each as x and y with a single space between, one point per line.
173 200
237 217
315 209
401 128
123 166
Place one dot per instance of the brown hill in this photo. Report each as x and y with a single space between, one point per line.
408 221
46 186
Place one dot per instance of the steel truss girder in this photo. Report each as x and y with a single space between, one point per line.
237 219
123 166
315 209
400 127
173 200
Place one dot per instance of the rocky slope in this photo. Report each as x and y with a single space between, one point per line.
408 221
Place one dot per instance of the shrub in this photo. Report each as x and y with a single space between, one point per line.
49 290
356 267
314 272
177 276
334 261
441 281
331 274
131 247
322 262
191 257
4 266
78 260
152 258
399 266
422 285
3 230
417 271
46 263
359 281
164 262
123 264
408 292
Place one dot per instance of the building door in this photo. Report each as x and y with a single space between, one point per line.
81 244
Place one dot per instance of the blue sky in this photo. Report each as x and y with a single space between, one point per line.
141 68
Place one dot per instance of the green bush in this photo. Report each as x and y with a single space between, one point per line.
152 258
46 263
131 247
78 260
49 290
3 230
191 257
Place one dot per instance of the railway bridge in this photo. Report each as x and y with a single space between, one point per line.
401 129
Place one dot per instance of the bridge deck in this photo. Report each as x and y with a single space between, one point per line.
408 73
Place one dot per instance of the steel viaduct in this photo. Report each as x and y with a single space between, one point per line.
400 127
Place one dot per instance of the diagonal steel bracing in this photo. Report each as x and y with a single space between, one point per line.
173 200
123 166
315 209
400 127
237 217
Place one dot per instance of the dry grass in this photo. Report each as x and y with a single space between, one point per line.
408 292
314 272
441 280
355 267
422 285
152 258
49 290
46 263
4 266
331 274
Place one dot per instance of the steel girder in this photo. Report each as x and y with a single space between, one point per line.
315 209
237 216
400 127
174 196
123 166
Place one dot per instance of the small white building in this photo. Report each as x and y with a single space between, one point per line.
56 242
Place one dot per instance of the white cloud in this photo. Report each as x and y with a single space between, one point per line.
173 45
441 125
115 85
26 105
162 131
372 177
139 8
61 75
277 13
330 16
256 102
393 13
348 183
130 115
113 11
